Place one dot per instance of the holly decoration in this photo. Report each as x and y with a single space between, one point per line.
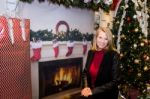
89 4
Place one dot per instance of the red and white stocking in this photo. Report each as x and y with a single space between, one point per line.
84 47
56 48
36 47
70 46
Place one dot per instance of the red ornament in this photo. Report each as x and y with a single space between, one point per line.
145 41
128 19
144 56
133 93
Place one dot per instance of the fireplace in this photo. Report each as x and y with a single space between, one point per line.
59 75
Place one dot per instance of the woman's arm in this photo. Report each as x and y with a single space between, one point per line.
84 72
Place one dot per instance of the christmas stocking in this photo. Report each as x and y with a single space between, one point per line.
70 46
36 47
84 47
56 48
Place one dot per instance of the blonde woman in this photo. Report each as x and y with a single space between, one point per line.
101 73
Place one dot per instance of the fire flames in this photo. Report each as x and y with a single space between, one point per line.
63 76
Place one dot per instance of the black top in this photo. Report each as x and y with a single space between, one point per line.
108 77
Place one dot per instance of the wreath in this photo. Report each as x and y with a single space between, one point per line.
62 23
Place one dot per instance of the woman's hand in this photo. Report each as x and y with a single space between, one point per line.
86 92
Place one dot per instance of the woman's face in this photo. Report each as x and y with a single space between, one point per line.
102 40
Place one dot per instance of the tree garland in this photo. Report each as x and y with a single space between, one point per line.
120 27
83 4
142 15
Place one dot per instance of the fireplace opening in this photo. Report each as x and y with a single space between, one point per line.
59 75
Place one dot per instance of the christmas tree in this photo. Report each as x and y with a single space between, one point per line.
133 45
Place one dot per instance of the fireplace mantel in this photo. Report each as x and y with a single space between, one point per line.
47 54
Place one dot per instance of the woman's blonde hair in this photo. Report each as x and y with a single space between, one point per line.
108 32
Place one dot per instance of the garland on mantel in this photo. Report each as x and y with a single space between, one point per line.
83 4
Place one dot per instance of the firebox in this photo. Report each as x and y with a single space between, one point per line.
59 75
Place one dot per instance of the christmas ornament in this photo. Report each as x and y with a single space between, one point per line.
128 19
135 45
126 6
117 22
136 61
144 56
136 30
121 55
122 36
133 93
147 58
145 41
142 44
134 16
139 74
145 68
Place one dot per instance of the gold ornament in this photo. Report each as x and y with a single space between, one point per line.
142 44
136 61
145 41
113 36
145 68
117 22
147 58
139 74
134 16
136 30
140 37
121 55
144 56
135 45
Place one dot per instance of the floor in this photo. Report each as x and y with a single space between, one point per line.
70 94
